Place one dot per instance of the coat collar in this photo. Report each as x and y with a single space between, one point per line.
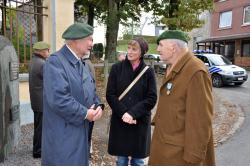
69 56
39 56
178 66
140 66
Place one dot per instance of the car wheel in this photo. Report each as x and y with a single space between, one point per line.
217 81
238 83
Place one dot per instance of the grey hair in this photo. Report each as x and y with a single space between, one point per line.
179 43
68 41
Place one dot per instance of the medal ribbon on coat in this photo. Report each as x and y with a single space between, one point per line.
169 87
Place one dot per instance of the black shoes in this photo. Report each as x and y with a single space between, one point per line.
36 156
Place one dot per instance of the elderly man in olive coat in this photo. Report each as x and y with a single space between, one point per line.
41 52
69 99
183 133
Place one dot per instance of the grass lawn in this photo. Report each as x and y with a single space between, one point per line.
152 48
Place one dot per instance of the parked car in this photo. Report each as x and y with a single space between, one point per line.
152 56
159 65
222 71
121 55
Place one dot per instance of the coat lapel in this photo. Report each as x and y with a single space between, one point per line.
72 60
177 68
69 56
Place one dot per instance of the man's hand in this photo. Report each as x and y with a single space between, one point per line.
91 113
128 119
94 114
98 113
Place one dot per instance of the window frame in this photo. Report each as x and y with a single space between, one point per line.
244 15
227 26
242 44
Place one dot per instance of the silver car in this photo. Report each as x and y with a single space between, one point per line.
154 59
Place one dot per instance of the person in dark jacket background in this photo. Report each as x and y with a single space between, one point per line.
130 130
91 68
41 52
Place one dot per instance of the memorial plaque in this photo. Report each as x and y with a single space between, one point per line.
10 130
14 70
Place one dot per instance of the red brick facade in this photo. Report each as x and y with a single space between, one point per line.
237 8
242 61
237 27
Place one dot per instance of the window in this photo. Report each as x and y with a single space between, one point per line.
219 60
246 48
229 50
225 19
246 18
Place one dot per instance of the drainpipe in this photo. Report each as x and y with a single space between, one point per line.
53 24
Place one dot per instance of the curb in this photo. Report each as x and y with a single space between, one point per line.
23 77
26 114
235 126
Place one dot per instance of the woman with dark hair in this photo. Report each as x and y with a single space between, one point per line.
130 130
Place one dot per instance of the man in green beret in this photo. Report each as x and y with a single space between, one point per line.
183 132
40 53
69 100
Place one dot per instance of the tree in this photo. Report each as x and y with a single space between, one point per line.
119 12
90 9
112 13
180 14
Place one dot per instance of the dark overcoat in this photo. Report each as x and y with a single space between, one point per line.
183 133
36 82
68 92
126 139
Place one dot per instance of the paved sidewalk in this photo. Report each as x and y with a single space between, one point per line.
26 114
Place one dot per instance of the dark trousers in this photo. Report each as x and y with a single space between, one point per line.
37 139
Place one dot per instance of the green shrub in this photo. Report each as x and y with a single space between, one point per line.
98 50
23 68
127 38
123 42
151 49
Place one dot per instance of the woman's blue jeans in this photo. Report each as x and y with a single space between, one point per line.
124 161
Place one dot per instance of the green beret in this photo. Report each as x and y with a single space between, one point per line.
77 31
41 45
173 34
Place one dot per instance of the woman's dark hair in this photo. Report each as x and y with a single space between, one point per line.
142 43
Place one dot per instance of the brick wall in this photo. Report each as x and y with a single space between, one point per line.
242 61
237 27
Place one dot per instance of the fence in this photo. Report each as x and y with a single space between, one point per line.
21 23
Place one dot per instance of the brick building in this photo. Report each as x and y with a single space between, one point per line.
230 31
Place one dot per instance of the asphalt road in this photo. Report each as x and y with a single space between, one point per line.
236 151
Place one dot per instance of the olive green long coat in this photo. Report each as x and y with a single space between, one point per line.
183 122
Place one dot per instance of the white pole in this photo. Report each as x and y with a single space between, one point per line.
53 23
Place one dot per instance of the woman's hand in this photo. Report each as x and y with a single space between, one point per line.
128 119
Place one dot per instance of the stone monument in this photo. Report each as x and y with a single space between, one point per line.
9 98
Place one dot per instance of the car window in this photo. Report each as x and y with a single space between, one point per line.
198 56
205 60
202 58
218 60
